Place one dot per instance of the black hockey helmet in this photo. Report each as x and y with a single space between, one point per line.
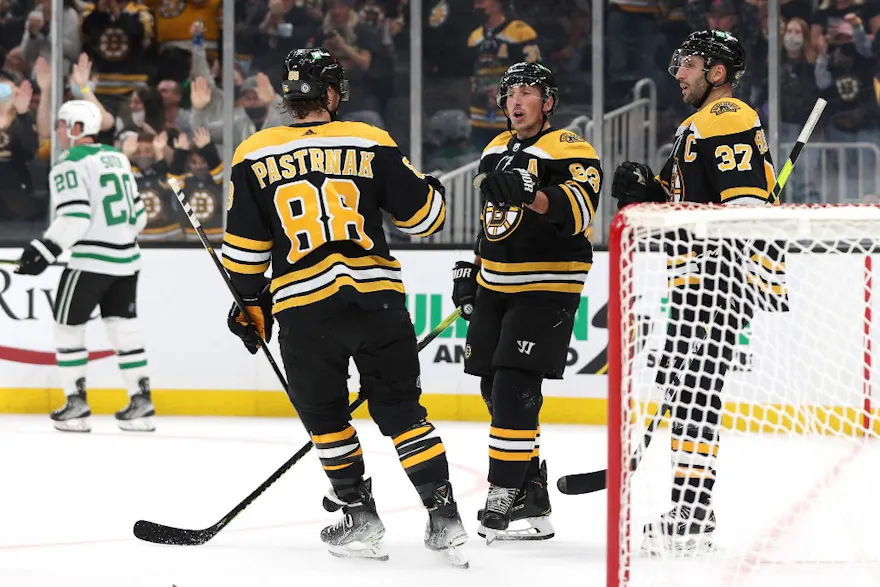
309 72
714 47
528 74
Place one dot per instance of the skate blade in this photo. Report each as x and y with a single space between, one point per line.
537 529
679 546
137 425
371 550
456 557
73 425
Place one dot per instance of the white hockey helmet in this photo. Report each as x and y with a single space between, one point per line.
84 112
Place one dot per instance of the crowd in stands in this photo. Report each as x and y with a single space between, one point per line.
154 68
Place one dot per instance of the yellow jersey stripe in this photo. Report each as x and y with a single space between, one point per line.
334 287
743 191
537 266
420 215
247 244
245 269
329 261
575 209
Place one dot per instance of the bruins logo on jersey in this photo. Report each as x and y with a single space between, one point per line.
439 14
498 222
231 193
113 44
171 8
203 205
723 107
570 137
677 185
152 204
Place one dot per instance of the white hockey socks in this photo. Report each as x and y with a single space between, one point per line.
71 355
127 339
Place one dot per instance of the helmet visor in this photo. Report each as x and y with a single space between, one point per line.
688 61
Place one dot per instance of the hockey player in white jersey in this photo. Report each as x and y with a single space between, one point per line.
98 215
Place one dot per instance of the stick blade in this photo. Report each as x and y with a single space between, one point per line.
583 483
161 534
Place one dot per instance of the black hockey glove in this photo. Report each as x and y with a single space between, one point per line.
36 256
435 183
513 187
464 287
634 183
257 325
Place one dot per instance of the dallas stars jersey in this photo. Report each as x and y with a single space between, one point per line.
98 212
494 50
307 198
163 217
546 254
721 156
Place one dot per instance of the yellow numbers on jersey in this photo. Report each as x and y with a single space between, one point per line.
312 217
589 175
728 157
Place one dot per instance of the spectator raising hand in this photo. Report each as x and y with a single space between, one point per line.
181 141
80 78
199 93
265 89
201 137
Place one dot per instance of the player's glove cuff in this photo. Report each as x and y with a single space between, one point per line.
36 256
635 183
464 287
257 325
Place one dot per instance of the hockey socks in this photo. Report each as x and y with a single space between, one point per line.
513 435
423 457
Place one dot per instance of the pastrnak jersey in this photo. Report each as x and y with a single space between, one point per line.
721 156
546 254
307 199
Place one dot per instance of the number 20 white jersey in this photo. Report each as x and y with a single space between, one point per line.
94 183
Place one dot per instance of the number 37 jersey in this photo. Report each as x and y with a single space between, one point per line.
307 199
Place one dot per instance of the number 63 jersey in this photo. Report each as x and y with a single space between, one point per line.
307 199
98 211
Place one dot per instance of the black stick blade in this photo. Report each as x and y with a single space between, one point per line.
161 534
583 483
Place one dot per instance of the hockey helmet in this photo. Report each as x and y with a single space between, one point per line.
310 72
528 74
84 112
714 47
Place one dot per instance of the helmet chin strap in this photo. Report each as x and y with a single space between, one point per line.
709 88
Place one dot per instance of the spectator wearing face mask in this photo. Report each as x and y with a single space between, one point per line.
142 112
18 145
175 116
199 169
147 153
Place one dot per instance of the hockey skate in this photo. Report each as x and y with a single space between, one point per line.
532 505
444 532
137 416
74 415
495 516
359 533
680 533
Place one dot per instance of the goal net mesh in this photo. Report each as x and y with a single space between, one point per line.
750 330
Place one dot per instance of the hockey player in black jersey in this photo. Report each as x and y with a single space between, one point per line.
307 199
720 156
540 188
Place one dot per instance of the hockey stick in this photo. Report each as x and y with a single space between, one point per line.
598 480
197 225
15 262
161 534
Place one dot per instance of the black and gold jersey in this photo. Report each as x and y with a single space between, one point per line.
542 254
163 216
720 156
493 51
308 200
204 192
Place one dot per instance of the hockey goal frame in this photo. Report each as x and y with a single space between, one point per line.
619 531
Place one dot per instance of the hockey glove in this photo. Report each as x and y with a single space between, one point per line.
258 323
36 256
513 187
436 184
634 183
464 287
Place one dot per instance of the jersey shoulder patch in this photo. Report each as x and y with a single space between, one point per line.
563 144
727 116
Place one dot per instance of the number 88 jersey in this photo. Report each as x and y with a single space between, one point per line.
720 156
307 199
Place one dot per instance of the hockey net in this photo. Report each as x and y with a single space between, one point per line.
797 469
